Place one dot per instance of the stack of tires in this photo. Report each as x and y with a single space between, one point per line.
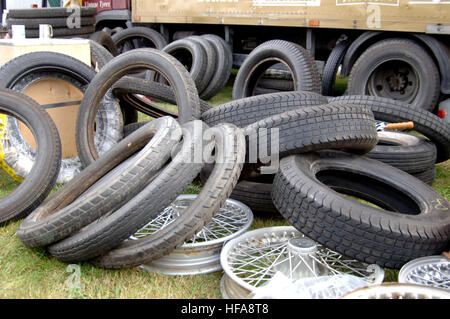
339 182
66 22
319 162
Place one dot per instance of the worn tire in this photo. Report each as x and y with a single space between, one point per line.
105 40
211 62
149 38
45 226
108 232
47 160
433 127
24 70
224 57
154 90
62 32
413 219
331 67
256 195
252 109
183 86
45 13
329 126
54 22
191 54
410 153
407 51
301 64
230 143
428 176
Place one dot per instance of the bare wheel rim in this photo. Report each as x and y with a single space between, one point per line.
394 79
200 254
251 259
389 290
432 271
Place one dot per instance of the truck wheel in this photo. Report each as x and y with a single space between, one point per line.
138 37
407 219
298 60
398 69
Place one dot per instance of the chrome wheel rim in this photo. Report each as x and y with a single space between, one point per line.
250 260
200 254
432 271
391 290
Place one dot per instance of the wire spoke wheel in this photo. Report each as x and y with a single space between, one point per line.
390 290
252 259
200 254
433 271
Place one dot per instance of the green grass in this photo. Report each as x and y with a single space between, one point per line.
33 273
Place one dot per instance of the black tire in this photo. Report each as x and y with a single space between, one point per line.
183 86
410 153
428 176
331 67
276 84
224 65
298 60
192 55
138 37
45 13
54 22
99 55
49 224
211 62
413 73
413 219
256 195
330 126
62 32
108 232
47 161
229 141
153 90
24 70
105 40
428 124
252 109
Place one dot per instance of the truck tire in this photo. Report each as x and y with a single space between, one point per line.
24 70
252 109
191 54
105 40
330 126
388 110
46 161
230 140
412 220
301 64
331 67
106 233
53 222
224 64
399 69
138 37
410 153
182 84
